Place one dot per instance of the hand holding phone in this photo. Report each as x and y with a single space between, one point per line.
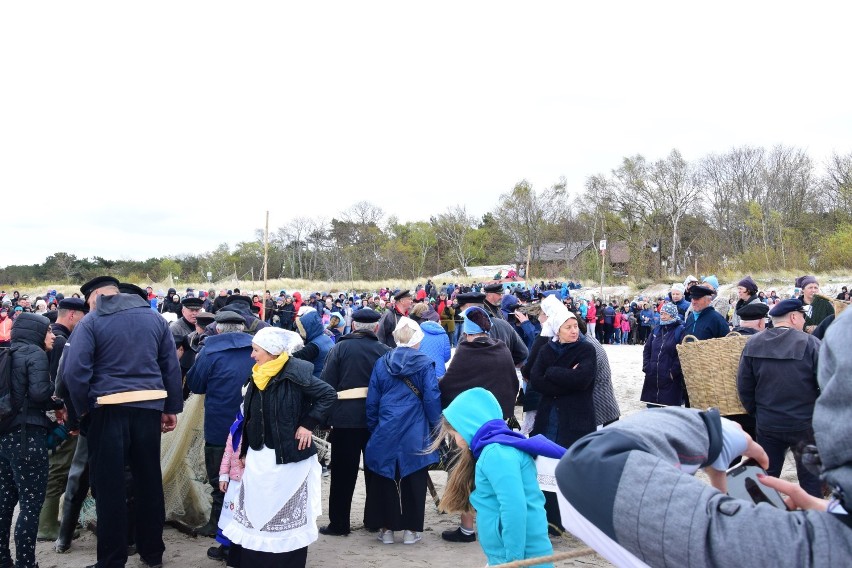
744 483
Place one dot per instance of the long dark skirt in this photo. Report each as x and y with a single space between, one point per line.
255 559
397 504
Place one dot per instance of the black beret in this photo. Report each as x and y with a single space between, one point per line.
784 307
98 282
699 291
51 315
753 311
470 298
495 288
366 315
192 303
227 316
204 317
73 304
237 298
128 288
399 295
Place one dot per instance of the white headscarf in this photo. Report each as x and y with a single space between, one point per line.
275 340
418 335
555 321
303 309
550 305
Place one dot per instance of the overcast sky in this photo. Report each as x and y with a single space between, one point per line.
134 130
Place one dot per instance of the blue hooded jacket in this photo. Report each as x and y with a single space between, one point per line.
400 422
436 344
315 333
508 501
221 369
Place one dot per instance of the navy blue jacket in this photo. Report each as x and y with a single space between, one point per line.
221 368
661 365
709 325
122 346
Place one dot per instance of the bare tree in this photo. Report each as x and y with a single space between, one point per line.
455 228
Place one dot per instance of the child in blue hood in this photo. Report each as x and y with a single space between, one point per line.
500 464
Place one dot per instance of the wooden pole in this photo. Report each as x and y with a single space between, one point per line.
527 273
265 259
603 264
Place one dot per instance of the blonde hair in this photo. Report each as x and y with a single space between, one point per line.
418 310
461 468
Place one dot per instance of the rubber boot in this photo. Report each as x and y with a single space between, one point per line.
213 523
48 520
68 526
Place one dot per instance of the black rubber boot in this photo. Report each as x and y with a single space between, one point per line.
212 524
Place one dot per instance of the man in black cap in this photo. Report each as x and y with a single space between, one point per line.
402 304
493 298
220 370
702 320
752 318
777 384
501 329
185 326
347 369
241 305
69 314
123 376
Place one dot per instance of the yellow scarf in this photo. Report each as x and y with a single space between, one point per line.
261 374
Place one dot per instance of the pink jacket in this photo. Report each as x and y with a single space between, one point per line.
231 469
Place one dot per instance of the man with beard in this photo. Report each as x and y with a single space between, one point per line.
347 369
184 326
493 298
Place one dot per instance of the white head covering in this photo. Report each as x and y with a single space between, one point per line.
555 321
275 340
418 333
551 306
303 309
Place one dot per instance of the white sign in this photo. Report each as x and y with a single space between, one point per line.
602 245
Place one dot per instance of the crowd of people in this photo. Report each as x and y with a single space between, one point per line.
407 381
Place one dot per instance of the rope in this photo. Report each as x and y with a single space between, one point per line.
580 552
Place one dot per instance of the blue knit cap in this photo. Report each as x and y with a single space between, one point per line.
670 309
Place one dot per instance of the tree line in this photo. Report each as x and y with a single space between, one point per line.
747 210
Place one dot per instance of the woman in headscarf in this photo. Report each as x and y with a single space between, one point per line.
660 362
275 512
403 409
817 306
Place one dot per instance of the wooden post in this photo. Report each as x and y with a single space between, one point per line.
603 261
265 259
527 273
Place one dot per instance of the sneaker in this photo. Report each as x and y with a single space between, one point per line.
410 537
386 536
458 536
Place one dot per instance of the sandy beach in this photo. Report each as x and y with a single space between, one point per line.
361 549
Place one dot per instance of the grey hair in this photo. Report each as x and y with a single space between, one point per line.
230 327
403 334
369 326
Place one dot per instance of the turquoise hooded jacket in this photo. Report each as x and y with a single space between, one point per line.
508 501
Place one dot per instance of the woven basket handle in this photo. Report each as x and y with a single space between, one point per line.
733 334
688 339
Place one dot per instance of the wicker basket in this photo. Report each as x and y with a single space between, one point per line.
710 371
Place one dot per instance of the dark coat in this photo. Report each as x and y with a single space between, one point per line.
30 373
532 398
349 365
221 368
777 380
485 363
122 346
661 365
293 398
566 389
400 422
709 325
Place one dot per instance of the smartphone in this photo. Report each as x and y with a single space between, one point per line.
743 484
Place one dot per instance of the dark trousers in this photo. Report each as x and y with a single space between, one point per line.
212 462
776 445
119 435
293 559
23 480
348 445
397 504
76 489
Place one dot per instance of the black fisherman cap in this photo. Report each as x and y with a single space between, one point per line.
97 282
73 304
753 311
366 315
